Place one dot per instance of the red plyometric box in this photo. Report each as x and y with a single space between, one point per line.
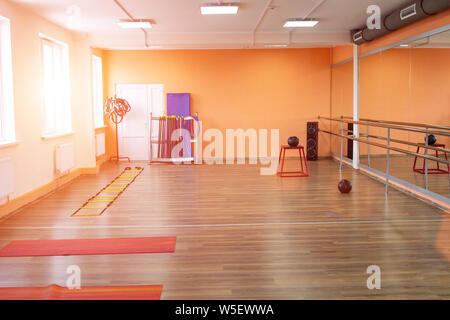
293 174
436 170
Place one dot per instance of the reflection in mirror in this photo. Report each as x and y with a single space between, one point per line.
409 84
342 102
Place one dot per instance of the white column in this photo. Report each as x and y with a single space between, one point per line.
355 105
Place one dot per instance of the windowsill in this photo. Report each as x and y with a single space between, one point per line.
101 127
7 144
56 135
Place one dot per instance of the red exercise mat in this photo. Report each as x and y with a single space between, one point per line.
55 292
67 247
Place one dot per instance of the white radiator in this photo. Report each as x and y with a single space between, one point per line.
64 158
100 142
6 177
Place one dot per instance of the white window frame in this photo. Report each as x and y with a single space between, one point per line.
57 119
97 91
7 125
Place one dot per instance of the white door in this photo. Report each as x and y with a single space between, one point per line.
133 131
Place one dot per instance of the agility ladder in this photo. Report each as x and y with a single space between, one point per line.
97 204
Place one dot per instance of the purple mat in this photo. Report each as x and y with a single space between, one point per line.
178 104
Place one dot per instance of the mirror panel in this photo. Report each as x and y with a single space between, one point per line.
409 83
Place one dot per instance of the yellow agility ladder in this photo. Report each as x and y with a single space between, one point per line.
97 204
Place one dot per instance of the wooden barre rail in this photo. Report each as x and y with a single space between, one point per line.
439 133
413 124
427 157
422 145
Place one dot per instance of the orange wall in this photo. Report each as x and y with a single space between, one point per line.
341 101
341 53
235 88
384 92
406 85
430 89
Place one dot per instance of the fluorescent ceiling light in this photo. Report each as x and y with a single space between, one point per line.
135 24
223 8
276 45
404 45
300 23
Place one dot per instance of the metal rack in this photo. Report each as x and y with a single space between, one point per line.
153 141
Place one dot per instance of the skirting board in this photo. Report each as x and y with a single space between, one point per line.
93 170
20 202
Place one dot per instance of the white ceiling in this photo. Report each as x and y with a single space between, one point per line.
179 24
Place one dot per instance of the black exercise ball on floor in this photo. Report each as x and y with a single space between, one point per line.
345 186
293 141
431 139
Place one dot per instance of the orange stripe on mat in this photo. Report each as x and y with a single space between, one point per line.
29 248
55 292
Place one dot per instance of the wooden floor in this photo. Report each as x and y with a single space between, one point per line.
241 235
401 167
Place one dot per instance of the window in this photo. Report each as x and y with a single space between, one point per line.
97 91
55 63
7 131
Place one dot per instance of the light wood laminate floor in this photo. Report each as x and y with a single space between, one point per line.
401 167
241 235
